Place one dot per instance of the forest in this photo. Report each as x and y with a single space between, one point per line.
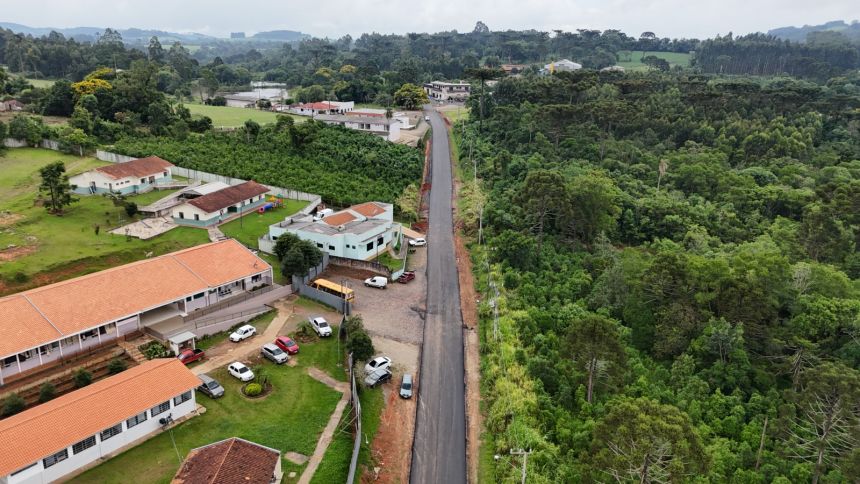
669 276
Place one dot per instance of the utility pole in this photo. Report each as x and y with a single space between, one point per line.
525 454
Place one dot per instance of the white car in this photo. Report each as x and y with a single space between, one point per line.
321 326
378 282
419 242
240 371
426 118
378 363
243 332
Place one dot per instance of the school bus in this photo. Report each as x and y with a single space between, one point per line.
332 288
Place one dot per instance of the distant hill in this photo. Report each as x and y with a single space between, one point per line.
280 35
798 34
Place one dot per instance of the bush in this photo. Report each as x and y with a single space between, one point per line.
130 209
116 365
360 345
305 329
47 392
253 389
83 378
153 350
12 405
261 375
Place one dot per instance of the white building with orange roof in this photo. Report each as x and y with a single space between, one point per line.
50 324
59 438
360 232
135 176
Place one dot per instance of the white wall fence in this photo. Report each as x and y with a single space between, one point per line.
19 143
212 177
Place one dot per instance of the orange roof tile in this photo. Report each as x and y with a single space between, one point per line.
137 168
21 325
231 461
234 262
48 428
339 218
368 209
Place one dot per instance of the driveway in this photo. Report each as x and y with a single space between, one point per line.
439 448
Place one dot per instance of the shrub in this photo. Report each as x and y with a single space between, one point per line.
116 365
130 209
12 405
253 389
261 375
360 345
305 329
153 350
47 392
83 378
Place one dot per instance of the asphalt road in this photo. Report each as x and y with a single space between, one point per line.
439 448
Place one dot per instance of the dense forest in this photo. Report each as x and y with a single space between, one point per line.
672 262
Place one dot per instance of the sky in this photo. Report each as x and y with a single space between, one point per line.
334 18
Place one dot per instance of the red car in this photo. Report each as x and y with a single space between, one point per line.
406 277
287 344
189 356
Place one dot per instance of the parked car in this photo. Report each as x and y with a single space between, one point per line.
378 282
243 332
406 386
210 387
321 214
418 242
377 363
240 371
320 326
406 277
287 344
378 377
272 352
187 356
427 118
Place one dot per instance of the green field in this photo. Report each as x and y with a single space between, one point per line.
223 116
633 61
42 83
289 419
47 248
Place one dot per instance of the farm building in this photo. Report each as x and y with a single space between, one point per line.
220 205
232 460
43 327
386 128
59 438
135 176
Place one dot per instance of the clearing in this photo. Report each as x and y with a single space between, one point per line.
632 60
228 117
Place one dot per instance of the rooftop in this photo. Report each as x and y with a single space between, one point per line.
231 461
140 167
75 416
348 118
369 209
339 218
356 227
215 201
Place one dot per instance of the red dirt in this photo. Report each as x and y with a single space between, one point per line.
9 218
391 449
13 253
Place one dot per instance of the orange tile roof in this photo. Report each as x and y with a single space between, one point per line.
79 304
137 168
368 209
52 426
215 201
231 461
339 218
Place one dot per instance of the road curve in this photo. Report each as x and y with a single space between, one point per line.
439 448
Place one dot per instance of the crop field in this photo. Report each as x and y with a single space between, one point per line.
632 60
225 116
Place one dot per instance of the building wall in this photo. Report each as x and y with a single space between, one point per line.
103 449
206 218
345 244
123 185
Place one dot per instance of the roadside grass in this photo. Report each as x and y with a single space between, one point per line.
291 418
60 247
251 226
456 114
225 116
486 462
261 322
634 61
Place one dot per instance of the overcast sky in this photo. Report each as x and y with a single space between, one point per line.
333 18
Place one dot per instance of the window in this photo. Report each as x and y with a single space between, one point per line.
112 431
196 216
69 341
181 215
142 181
188 299
58 457
319 245
160 408
370 246
380 241
24 469
89 334
181 398
84 445
137 419
257 278
199 295
8 361
107 329
331 247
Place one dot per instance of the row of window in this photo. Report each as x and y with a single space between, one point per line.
49 348
110 432
379 243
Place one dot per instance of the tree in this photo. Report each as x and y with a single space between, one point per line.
594 344
116 365
360 345
75 140
82 120
208 84
293 263
82 378
252 129
483 74
27 128
410 96
285 242
646 441
481 28
544 199
409 202
594 205
47 392
155 50
55 183
12 404
59 100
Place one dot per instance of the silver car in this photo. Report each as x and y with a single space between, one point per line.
378 377
210 387
406 386
272 352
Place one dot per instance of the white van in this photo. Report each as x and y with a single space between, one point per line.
321 214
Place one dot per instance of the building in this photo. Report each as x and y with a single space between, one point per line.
221 205
241 101
323 107
11 105
563 65
135 176
360 232
63 436
447 91
613 69
514 69
380 113
43 327
231 461
377 125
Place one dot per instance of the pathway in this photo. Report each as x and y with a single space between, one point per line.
331 427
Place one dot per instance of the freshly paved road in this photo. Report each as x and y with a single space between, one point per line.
439 449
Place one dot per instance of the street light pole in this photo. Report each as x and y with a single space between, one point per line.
525 454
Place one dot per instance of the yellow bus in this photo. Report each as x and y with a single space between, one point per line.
332 288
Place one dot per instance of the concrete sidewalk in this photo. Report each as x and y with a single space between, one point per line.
330 428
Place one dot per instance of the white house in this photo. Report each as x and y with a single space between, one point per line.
447 91
135 176
360 232
59 438
378 125
218 206
232 460
42 327
380 113
323 107
563 65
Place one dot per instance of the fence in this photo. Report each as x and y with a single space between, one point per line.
356 407
19 143
300 285
226 304
367 265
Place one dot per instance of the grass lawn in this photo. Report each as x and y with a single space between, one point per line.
150 196
633 62
289 419
261 322
224 116
53 247
250 227
390 262
456 113
42 83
